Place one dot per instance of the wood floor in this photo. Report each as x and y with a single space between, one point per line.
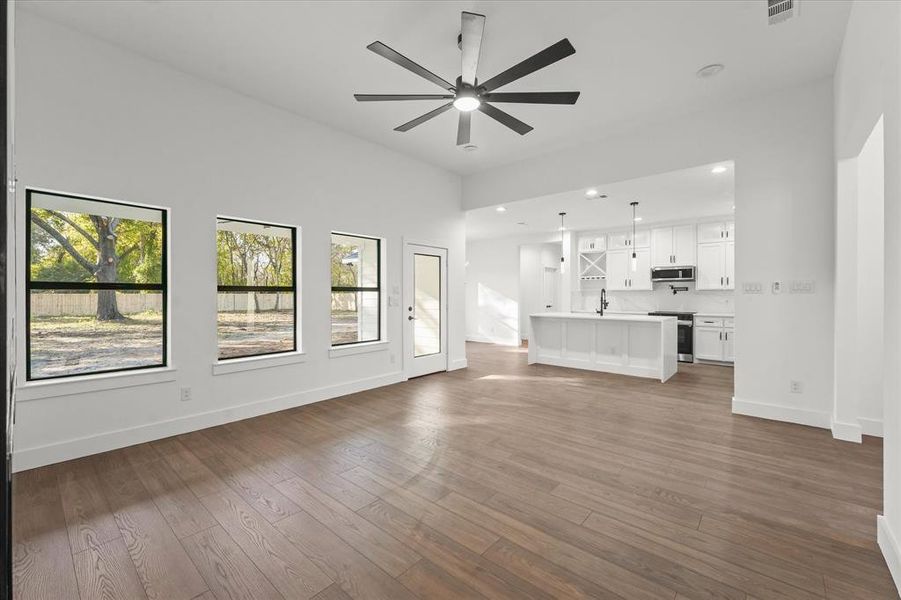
498 481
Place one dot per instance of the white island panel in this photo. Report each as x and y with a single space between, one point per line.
638 345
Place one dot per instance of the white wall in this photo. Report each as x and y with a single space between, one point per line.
534 262
784 193
866 83
493 311
96 120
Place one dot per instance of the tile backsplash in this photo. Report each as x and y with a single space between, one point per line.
661 298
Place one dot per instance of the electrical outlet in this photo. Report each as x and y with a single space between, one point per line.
777 287
185 394
795 387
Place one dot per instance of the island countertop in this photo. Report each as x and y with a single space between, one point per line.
606 317
637 345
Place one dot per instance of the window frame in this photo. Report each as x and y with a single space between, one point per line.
162 287
295 348
345 289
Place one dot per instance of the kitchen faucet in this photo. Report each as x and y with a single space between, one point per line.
602 304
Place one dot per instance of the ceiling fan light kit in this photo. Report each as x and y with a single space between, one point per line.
467 94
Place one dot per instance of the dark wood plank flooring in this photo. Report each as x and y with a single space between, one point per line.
498 481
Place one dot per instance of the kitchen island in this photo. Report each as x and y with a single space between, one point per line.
638 345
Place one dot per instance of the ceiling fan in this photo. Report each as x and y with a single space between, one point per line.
468 94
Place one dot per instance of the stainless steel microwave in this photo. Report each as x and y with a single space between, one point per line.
673 274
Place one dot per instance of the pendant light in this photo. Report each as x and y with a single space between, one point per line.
634 256
562 259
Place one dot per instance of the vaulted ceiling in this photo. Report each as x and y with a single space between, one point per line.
635 62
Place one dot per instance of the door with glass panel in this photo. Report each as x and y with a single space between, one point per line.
425 310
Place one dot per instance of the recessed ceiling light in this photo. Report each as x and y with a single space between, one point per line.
591 193
709 71
470 148
718 169
637 219
521 223
501 209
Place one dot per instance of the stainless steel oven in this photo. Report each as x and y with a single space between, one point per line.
684 333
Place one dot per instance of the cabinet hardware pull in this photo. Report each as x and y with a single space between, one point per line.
721 336
721 281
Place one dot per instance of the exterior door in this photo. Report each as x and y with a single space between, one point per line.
425 310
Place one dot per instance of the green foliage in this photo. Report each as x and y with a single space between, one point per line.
253 259
344 271
138 248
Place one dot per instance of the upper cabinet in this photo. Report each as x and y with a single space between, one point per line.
716 256
719 231
622 240
673 246
620 274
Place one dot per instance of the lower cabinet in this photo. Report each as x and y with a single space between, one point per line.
714 339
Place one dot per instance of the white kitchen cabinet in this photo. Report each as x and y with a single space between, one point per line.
622 240
716 266
592 244
673 246
714 339
621 277
717 231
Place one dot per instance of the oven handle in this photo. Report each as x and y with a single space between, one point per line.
685 323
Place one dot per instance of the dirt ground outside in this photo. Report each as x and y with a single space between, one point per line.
71 345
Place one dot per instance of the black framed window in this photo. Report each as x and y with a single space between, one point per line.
356 263
257 288
95 286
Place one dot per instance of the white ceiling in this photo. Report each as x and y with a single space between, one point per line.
680 195
635 62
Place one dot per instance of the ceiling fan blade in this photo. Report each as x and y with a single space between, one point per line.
384 97
420 120
463 128
546 57
505 119
533 97
473 27
399 59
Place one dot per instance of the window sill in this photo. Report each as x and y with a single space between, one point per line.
361 348
86 384
249 363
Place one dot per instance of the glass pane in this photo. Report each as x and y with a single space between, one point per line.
69 337
79 240
251 323
355 261
355 317
254 254
427 304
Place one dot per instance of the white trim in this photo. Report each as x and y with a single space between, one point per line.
871 426
359 348
249 363
775 412
67 386
29 458
481 339
457 363
848 432
889 546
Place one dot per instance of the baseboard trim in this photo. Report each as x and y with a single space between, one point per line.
871 427
480 339
775 412
847 432
890 550
39 456
459 363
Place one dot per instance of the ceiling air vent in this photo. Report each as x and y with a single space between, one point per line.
781 10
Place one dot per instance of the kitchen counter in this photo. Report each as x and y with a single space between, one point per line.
716 315
628 344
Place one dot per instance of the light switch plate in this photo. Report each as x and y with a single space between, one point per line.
803 286
752 287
